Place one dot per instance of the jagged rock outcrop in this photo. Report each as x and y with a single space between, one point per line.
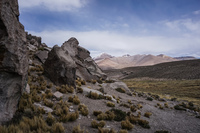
60 67
70 60
86 67
13 59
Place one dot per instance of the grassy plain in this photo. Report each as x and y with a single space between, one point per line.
188 90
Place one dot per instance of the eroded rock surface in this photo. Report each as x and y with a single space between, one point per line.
60 67
13 59
86 67
70 60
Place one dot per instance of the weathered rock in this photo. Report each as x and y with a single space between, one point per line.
86 67
13 59
116 85
34 40
58 95
46 109
60 67
70 60
42 56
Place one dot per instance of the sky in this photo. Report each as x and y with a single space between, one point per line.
117 27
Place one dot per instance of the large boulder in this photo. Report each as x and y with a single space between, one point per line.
70 60
86 67
60 67
13 59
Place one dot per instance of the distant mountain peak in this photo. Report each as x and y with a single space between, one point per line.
103 56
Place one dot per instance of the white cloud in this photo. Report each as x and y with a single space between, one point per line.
53 5
119 44
196 12
184 24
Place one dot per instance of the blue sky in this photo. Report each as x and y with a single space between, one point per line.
117 27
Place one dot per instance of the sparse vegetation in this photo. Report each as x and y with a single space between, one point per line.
147 114
126 125
96 124
110 104
77 129
106 130
187 89
83 109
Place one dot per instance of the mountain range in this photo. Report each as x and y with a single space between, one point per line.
106 61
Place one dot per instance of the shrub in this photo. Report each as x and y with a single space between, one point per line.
119 114
143 123
79 90
166 105
77 129
149 98
120 90
108 98
70 99
76 100
125 105
110 104
109 115
95 124
126 125
147 114
96 113
93 95
101 116
48 103
49 85
177 107
129 101
139 106
133 108
57 128
123 131
93 81
83 109
50 119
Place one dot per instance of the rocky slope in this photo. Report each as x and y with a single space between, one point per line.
67 92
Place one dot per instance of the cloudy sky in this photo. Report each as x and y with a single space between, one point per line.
117 27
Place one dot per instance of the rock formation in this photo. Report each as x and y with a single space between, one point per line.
86 67
70 60
60 67
13 59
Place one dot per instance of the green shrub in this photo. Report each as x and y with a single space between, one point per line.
126 125
120 90
149 98
119 114
125 105
93 95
